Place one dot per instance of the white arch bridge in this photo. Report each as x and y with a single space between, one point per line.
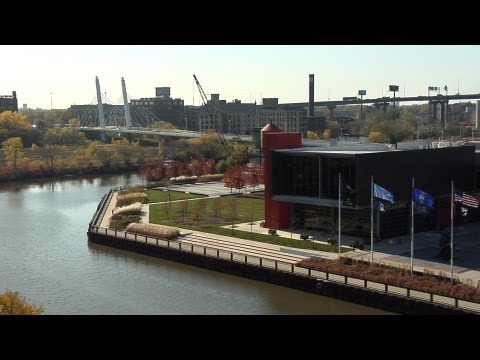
115 120
158 132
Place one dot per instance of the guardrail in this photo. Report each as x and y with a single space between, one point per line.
279 265
103 204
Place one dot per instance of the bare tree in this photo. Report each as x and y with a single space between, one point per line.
184 208
217 206
233 203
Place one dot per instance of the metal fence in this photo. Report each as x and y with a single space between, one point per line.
103 205
278 265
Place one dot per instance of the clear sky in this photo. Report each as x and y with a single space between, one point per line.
65 75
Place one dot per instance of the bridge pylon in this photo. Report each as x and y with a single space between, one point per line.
128 119
101 115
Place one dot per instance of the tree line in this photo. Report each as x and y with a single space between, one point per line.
395 125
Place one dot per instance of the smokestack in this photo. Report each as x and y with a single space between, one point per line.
311 95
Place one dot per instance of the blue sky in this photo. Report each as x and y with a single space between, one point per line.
66 74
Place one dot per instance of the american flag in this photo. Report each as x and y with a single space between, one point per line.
470 200
467 200
458 197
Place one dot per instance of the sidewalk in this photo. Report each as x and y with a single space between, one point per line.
108 213
396 251
393 252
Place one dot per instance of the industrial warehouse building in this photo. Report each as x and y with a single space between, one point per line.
9 102
302 184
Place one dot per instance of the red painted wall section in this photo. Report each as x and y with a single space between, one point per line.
277 213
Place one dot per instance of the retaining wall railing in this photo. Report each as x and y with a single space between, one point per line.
278 265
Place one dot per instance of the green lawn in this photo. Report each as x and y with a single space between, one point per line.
158 215
244 210
160 196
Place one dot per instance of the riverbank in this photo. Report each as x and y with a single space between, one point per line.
45 256
250 261
65 175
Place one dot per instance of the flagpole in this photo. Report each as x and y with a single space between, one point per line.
412 227
451 233
339 211
371 220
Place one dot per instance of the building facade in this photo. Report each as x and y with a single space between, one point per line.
303 184
88 115
9 102
159 108
286 118
232 118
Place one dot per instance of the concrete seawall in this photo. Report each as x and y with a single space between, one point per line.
354 294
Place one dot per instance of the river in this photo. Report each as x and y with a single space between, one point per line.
45 255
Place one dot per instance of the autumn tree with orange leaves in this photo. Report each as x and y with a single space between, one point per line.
12 303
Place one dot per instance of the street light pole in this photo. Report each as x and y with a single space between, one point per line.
51 101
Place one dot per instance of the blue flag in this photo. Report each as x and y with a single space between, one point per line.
422 198
382 193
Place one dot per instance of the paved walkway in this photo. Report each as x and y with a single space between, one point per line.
108 213
212 188
395 252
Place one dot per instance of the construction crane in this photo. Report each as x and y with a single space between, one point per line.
243 157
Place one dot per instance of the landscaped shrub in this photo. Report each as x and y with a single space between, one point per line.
393 276
183 179
132 209
134 189
211 177
120 222
153 230
130 198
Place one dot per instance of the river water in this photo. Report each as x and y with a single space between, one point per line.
45 255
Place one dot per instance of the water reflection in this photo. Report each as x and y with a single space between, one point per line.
231 293
45 255
15 200
13 186
111 181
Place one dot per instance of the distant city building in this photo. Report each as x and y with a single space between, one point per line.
240 117
285 117
88 114
161 108
9 102
162 92
215 120
233 118
191 117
